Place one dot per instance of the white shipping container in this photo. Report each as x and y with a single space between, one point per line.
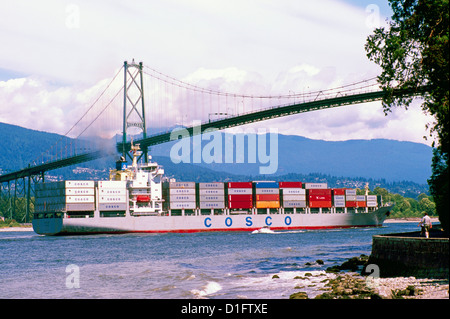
187 191
79 199
292 204
112 184
112 199
211 191
211 198
240 191
182 198
211 185
182 185
315 185
350 198
372 198
213 205
360 198
350 192
182 205
294 197
65 199
79 191
112 206
115 191
64 191
339 203
261 191
372 204
292 191
339 198
76 184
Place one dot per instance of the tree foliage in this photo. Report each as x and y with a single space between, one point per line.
405 206
413 52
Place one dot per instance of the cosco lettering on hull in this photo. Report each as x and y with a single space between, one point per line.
248 222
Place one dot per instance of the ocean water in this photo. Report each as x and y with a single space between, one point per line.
224 265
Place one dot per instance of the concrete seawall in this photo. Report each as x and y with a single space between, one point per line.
407 254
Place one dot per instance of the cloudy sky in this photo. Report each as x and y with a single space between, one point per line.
57 56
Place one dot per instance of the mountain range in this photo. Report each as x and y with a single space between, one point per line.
387 160
377 159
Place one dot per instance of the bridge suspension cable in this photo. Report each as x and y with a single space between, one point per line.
68 146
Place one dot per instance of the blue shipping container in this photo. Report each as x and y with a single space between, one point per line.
266 184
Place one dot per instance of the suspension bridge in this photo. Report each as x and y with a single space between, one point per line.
169 103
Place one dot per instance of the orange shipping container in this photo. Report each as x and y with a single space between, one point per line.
268 204
361 204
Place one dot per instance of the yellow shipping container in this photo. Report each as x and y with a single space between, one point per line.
268 204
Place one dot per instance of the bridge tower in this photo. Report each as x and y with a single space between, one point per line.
133 104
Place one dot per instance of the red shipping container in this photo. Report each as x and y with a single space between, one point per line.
319 191
240 205
240 185
319 197
240 198
350 203
290 184
339 191
361 204
320 203
268 197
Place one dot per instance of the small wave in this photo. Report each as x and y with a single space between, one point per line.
292 232
210 288
191 277
269 231
263 230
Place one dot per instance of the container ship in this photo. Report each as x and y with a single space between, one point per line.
138 198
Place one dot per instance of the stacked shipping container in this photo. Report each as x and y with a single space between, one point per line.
319 198
267 195
350 198
65 196
293 195
181 195
372 201
319 195
240 195
211 195
361 201
112 195
339 197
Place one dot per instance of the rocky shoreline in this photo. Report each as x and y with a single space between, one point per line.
343 282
